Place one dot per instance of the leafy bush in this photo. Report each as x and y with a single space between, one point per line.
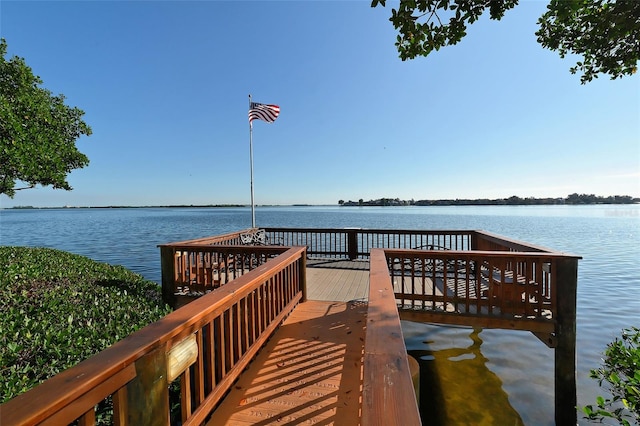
59 309
621 372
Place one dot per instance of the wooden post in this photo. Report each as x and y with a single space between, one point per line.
303 275
565 352
148 393
167 265
388 395
352 243
474 241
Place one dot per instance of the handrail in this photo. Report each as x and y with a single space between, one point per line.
388 395
356 243
521 293
230 325
488 241
526 285
197 268
516 290
228 238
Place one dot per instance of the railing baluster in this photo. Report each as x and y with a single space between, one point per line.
236 332
198 369
229 340
185 394
88 419
220 349
262 308
244 312
253 316
210 362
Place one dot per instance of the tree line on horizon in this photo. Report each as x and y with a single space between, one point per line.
572 199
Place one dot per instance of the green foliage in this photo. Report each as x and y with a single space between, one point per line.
37 130
604 33
422 29
59 309
621 375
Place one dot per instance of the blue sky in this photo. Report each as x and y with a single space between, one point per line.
165 87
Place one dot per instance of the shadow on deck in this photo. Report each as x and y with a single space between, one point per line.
310 371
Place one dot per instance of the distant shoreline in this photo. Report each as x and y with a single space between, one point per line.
435 203
573 199
180 206
177 206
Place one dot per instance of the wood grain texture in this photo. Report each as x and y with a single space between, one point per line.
309 372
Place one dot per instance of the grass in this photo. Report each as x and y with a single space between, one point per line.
59 309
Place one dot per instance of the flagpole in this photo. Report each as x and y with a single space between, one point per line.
253 208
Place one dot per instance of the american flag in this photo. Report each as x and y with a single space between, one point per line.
263 112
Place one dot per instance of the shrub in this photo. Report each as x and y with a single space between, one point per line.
621 373
59 309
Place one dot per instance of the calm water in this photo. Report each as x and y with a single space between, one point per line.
502 377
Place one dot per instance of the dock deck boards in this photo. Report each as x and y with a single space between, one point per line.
337 280
310 371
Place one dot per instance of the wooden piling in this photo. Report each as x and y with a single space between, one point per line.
565 351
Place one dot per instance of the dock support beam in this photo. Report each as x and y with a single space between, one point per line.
565 351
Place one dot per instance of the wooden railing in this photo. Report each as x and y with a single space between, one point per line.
388 396
533 290
205 347
357 243
486 241
194 269
496 289
460 276
231 238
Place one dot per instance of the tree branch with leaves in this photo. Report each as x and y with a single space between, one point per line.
620 374
38 131
604 33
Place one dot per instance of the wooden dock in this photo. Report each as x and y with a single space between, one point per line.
320 341
310 371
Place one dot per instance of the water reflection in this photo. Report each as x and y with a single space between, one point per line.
456 385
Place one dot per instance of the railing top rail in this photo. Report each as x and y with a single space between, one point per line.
463 254
373 230
210 240
510 244
232 248
55 393
388 394
517 244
